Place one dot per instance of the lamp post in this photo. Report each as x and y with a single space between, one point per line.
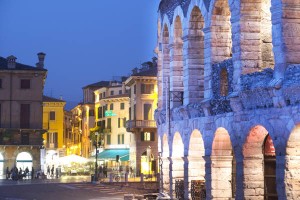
96 164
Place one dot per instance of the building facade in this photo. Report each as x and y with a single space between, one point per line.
228 87
111 106
21 98
88 115
53 122
143 103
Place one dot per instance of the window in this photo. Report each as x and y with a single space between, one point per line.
0 83
25 116
108 123
147 88
122 106
147 136
91 113
124 122
100 112
120 138
111 93
52 115
224 83
52 140
147 112
99 123
134 112
120 91
103 94
119 122
130 113
108 139
111 106
25 84
103 110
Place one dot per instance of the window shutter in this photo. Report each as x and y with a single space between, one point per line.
142 136
124 122
152 137
143 88
119 122
119 139
122 138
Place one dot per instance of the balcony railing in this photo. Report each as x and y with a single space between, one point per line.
133 124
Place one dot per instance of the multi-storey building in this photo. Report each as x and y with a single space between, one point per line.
21 98
111 106
73 141
143 103
53 122
72 136
88 115
228 109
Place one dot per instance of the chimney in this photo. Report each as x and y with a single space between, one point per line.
41 57
11 62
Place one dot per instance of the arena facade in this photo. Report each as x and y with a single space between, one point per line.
229 97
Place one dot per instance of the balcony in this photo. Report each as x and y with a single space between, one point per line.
134 124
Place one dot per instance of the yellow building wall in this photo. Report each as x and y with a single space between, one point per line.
56 125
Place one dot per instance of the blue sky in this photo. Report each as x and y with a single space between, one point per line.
85 41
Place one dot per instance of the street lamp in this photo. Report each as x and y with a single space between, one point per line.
96 143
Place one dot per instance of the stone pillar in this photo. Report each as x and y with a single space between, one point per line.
176 71
292 176
253 177
207 64
166 175
186 178
193 69
221 177
165 74
160 85
239 192
208 176
280 175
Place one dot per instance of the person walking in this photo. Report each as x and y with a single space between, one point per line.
48 170
32 173
52 171
105 171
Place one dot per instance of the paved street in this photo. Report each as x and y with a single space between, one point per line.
59 191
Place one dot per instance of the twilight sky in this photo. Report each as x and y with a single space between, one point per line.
85 41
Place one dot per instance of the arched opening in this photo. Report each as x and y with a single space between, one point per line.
24 159
194 59
256 36
221 42
259 164
221 164
269 169
292 174
196 165
165 64
224 84
176 70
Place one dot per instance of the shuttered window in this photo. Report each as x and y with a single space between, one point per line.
25 116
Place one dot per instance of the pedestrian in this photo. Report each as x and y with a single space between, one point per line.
56 172
52 171
32 173
7 173
105 171
26 172
101 171
131 172
48 170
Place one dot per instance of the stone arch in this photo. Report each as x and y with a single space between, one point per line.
222 165
193 47
256 36
196 162
200 4
176 62
253 152
220 31
292 175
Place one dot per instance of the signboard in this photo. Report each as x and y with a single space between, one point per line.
110 113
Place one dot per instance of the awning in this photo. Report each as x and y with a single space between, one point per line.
110 154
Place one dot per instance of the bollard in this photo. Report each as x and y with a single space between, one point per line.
142 177
111 177
126 177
